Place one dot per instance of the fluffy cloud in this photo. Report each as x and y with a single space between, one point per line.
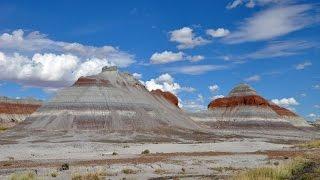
186 38
273 22
196 69
166 57
166 82
220 32
137 75
214 88
254 78
285 102
169 56
217 96
317 106
303 65
35 60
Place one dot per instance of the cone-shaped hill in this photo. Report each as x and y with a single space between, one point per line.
111 101
245 107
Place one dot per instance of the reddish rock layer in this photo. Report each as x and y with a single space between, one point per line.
167 95
15 108
87 81
251 100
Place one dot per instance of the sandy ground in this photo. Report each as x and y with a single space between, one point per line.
214 156
190 160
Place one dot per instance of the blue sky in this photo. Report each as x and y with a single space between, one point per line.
198 50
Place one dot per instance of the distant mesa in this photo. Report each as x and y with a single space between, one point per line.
245 107
13 111
111 101
167 95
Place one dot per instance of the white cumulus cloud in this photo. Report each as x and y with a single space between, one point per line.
285 102
137 75
165 82
220 32
186 38
217 96
214 88
32 59
169 57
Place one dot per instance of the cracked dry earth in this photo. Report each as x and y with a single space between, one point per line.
194 160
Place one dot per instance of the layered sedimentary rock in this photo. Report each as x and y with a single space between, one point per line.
13 111
111 101
245 107
167 95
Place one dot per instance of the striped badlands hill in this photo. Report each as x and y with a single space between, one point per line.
111 101
13 111
245 107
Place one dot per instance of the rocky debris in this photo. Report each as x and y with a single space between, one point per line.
112 101
167 95
245 107
13 111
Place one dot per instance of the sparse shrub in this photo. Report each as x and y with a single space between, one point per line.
129 171
145 151
310 144
126 146
88 176
23 176
54 174
76 177
64 167
114 153
183 170
284 171
11 158
2 128
160 171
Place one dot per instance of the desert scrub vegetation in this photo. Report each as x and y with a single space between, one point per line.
23 176
160 171
2 128
129 171
147 151
310 144
88 176
54 174
301 168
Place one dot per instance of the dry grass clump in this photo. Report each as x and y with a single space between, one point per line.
310 144
160 171
54 174
23 176
147 151
88 176
2 128
290 170
129 171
